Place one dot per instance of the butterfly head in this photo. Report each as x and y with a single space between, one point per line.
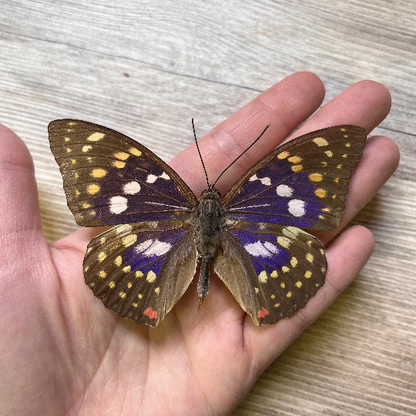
211 193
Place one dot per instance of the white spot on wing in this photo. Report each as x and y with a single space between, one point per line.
284 191
271 247
258 249
152 178
118 204
296 207
150 248
165 176
265 181
131 188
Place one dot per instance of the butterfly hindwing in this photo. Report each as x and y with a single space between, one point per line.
271 270
141 270
303 183
111 179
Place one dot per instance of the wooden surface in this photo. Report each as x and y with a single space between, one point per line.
146 67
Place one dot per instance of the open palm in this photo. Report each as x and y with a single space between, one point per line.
63 353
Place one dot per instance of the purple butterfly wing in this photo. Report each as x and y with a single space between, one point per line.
111 179
141 270
303 183
272 270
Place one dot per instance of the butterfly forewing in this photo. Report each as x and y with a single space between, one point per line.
111 179
303 183
141 270
271 270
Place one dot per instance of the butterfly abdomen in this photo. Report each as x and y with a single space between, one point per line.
207 225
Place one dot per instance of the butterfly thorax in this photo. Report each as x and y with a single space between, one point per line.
207 226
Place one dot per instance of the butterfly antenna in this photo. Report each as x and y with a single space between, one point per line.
199 152
245 151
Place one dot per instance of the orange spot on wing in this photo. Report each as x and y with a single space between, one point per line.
152 314
262 313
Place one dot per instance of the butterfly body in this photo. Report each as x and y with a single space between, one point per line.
252 237
208 227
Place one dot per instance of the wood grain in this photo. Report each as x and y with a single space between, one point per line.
145 68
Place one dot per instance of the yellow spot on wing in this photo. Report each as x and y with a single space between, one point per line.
273 273
134 304
309 257
298 284
118 164
112 285
283 241
347 144
102 256
320 141
124 228
99 173
285 269
86 148
282 285
297 168
263 277
308 274
122 295
68 150
294 262
344 155
289 294
122 155
329 153
135 152
73 161
102 274
138 274
129 240
95 137
295 159
320 193
129 285
140 296
157 290
276 305
127 269
315 177
93 189
151 276
118 261
283 155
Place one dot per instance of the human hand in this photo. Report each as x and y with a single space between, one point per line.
63 352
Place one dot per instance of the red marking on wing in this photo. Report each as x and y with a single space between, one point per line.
152 314
262 313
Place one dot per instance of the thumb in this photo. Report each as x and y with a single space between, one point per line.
19 206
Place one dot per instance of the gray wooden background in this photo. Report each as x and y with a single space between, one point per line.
146 67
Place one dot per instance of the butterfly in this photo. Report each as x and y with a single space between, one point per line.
252 238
